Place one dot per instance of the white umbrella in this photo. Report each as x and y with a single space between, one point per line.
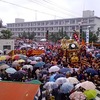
4 66
54 69
10 70
50 85
88 85
61 80
77 96
43 40
73 80
38 58
1 51
33 62
28 66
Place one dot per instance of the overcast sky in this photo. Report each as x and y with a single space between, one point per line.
32 10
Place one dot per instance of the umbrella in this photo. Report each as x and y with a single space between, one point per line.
58 76
19 56
44 71
91 71
73 80
2 58
32 58
2 62
33 62
48 65
1 51
18 75
54 69
4 66
88 85
77 96
37 58
64 70
98 55
5 57
61 80
21 61
35 82
50 85
15 63
78 85
66 87
10 70
39 64
28 66
90 94
52 78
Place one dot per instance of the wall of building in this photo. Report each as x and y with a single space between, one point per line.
41 27
7 44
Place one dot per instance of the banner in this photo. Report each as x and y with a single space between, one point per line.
87 36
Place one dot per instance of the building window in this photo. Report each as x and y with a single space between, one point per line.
8 47
38 34
67 22
91 20
72 21
78 21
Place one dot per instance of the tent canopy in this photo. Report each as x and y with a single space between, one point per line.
17 91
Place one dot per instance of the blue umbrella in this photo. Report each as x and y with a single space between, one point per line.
31 58
52 79
66 87
98 55
65 70
58 76
2 62
39 64
91 71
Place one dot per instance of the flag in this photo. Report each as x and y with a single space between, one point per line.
83 43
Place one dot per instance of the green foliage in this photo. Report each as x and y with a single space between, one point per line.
54 37
98 32
92 37
6 34
27 35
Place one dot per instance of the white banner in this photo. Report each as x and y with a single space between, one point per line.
87 36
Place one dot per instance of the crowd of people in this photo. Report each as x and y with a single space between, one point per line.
50 67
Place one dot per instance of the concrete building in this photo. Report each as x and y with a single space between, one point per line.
7 44
68 25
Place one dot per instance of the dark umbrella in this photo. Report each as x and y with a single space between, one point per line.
17 76
58 76
65 70
48 65
91 71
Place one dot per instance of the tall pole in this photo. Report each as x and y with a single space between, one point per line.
87 35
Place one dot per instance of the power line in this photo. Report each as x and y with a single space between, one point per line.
28 8
52 3
51 8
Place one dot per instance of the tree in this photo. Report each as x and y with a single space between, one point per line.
6 34
92 37
31 35
98 32
54 37
27 35
23 35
